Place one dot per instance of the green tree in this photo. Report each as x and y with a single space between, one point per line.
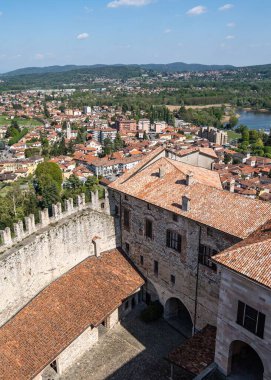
49 171
108 147
233 122
48 191
118 143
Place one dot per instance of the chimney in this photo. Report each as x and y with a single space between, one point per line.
232 183
189 178
161 172
185 203
96 241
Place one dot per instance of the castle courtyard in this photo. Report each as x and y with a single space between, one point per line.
131 350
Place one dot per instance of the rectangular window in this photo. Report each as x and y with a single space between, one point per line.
126 218
175 217
125 197
172 279
155 267
251 319
116 210
141 260
148 206
127 247
209 231
148 228
205 254
174 240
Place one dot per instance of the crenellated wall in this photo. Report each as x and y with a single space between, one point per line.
39 254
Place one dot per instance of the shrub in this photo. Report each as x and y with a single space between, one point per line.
153 312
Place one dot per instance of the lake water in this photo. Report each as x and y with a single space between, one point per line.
255 120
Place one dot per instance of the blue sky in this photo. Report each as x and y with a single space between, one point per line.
42 33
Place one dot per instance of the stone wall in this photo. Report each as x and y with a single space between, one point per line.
195 159
29 265
236 288
184 265
76 349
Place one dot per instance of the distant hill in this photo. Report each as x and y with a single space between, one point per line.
161 68
171 67
184 67
73 75
42 70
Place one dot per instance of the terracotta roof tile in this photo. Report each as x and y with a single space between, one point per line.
196 353
81 298
209 204
251 257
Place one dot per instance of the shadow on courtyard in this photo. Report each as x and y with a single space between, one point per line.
154 340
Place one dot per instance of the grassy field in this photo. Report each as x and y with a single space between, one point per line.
233 135
176 108
4 120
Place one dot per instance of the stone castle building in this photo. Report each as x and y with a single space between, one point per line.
166 231
214 135
204 252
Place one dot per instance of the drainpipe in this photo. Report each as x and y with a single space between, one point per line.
120 220
197 287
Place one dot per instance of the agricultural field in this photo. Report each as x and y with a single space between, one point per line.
4 120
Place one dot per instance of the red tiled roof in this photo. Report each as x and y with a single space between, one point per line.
82 297
209 204
251 257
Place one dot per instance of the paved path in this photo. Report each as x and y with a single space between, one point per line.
132 350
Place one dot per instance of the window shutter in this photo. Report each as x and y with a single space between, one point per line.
201 249
168 238
260 327
179 243
240 313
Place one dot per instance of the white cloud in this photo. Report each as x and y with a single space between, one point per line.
39 56
226 7
166 31
88 10
82 36
230 37
129 3
231 25
199 10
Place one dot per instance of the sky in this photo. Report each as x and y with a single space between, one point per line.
85 32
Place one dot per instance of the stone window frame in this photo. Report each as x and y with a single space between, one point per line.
247 316
172 279
172 241
148 228
126 218
204 256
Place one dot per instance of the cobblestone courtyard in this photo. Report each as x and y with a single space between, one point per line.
132 350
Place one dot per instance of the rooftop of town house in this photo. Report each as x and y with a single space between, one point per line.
250 257
54 318
209 204
108 161
205 151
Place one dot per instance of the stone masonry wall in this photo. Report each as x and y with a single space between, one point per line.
76 349
31 264
236 288
182 265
